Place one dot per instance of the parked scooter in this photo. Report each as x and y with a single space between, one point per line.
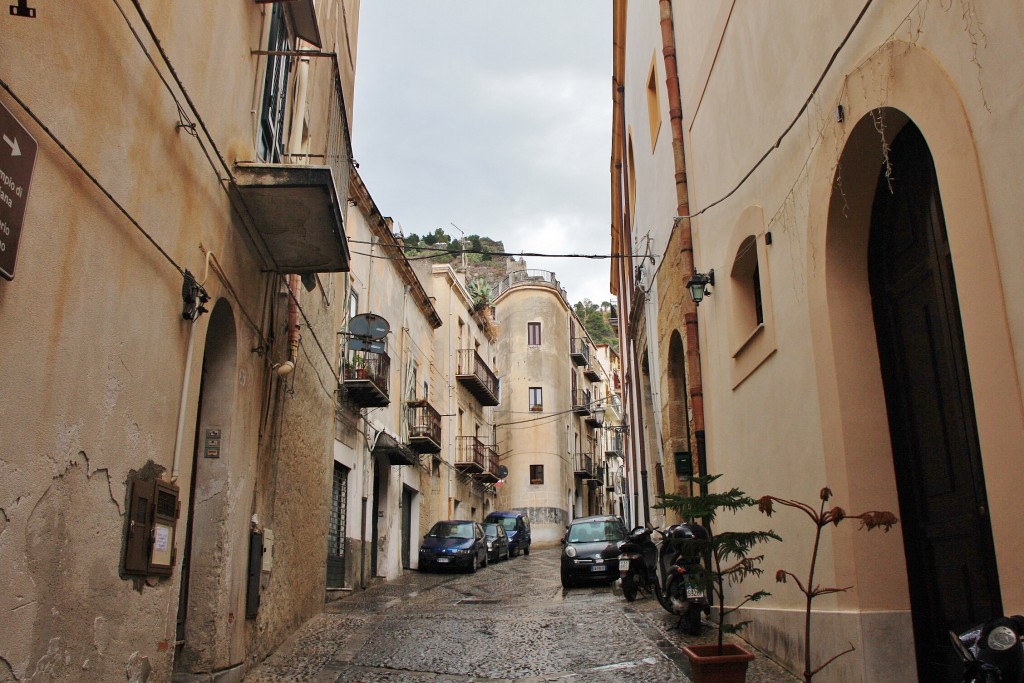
684 573
638 564
669 570
992 651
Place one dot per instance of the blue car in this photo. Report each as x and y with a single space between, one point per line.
454 543
517 526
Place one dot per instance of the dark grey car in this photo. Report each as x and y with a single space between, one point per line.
590 549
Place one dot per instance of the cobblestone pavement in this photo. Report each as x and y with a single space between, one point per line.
511 621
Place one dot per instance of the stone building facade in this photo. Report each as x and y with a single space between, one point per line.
844 172
549 429
170 382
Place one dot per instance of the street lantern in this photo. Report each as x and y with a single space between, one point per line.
698 285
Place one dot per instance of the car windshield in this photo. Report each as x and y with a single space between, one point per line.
452 530
595 532
509 523
491 530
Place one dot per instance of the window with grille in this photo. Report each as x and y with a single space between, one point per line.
336 530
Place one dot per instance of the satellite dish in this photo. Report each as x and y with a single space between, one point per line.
502 471
368 325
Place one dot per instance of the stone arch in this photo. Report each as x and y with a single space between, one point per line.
856 445
207 593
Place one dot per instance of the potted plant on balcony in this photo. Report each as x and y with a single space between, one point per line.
821 518
730 562
355 367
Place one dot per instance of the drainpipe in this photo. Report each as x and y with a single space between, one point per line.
293 321
693 374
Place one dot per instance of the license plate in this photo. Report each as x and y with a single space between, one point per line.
623 565
597 568
443 560
694 593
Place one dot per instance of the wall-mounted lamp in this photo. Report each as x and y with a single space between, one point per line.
698 285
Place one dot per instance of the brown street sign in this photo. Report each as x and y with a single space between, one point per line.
17 157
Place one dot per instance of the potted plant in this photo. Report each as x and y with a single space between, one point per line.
729 561
821 519
355 367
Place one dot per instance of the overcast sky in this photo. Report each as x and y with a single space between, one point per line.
494 115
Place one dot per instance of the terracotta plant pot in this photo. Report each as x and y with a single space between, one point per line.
711 667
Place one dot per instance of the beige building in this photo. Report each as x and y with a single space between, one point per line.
467 389
170 377
845 172
549 422
386 419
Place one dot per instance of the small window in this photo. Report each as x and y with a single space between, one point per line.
746 274
653 102
536 474
536 399
533 334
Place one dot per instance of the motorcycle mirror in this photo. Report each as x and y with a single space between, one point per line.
961 649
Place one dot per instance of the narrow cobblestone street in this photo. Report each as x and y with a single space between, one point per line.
511 621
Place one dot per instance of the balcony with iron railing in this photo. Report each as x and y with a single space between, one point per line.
424 427
613 446
490 473
592 372
579 350
470 455
365 377
542 278
477 377
583 464
581 402
295 202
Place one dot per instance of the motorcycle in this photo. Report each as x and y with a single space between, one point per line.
992 651
670 570
638 558
684 589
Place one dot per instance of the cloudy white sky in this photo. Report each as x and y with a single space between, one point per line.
494 115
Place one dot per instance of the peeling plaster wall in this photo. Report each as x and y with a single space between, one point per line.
93 371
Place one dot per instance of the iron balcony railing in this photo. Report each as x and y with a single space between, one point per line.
471 455
424 427
581 401
477 377
583 464
579 350
528 277
366 378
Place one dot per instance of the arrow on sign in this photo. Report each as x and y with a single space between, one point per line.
15 149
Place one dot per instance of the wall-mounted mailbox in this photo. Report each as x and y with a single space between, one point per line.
152 517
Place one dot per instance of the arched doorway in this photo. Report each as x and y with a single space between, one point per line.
204 596
950 556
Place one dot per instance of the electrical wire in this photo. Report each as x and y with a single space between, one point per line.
778 142
92 178
440 251
803 108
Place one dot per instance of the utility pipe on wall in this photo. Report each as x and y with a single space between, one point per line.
692 338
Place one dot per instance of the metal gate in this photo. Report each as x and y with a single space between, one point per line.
336 533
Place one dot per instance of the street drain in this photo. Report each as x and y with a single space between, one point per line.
478 601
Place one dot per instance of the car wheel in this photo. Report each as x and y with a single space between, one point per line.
474 564
567 581
526 549
487 558
629 586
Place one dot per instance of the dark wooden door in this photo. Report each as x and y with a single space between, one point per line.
948 540
407 496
